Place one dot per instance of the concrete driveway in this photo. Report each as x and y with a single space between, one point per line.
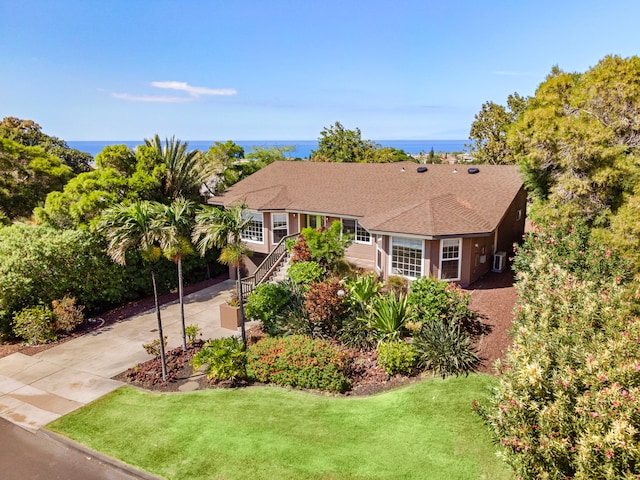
35 390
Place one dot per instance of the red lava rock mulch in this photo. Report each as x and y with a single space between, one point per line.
493 298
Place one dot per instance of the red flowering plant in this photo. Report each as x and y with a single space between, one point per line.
323 306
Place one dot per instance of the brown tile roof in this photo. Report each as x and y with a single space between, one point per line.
387 197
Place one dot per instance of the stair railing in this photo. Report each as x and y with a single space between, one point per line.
267 267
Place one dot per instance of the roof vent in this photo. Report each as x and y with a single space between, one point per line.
473 170
421 169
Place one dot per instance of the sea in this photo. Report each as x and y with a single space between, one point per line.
301 148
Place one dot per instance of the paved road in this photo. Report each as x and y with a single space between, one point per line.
29 456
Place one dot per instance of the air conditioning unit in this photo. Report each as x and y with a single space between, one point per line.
499 261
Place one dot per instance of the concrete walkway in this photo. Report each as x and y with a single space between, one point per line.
35 390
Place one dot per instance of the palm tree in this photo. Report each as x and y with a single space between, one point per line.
173 225
186 172
215 227
130 227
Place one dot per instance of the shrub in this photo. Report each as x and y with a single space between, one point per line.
434 300
397 357
445 349
67 315
153 348
306 273
266 302
389 314
357 332
397 285
569 392
300 251
225 359
326 245
191 332
298 361
323 305
35 325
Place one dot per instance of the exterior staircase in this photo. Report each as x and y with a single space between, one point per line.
273 268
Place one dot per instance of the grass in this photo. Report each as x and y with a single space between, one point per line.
424 431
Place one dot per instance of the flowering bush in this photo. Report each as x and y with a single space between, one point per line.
298 361
568 402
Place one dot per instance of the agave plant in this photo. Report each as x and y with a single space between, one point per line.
389 314
445 349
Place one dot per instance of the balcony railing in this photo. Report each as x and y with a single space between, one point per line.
267 267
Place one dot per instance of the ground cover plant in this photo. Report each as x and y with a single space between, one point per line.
425 431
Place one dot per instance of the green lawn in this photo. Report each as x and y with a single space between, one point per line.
425 431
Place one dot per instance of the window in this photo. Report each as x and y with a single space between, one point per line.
359 234
253 230
450 259
279 226
406 257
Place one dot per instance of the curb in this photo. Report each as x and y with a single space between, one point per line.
100 457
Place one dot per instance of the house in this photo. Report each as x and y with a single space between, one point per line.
407 219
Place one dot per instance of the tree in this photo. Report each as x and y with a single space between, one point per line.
220 228
121 175
130 227
173 224
186 171
338 144
27 174
30 134
578 140
489 130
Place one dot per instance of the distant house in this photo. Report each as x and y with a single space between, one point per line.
406 219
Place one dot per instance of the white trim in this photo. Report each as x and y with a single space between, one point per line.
356 226
254 215
396 240
458 258
286 221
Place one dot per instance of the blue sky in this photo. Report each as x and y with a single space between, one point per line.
284 70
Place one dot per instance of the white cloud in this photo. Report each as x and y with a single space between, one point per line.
194 91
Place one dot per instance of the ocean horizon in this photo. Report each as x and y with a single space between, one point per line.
302 148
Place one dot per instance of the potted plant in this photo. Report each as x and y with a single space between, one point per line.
230 314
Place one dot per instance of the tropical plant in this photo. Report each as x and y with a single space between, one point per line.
326 245
220 228
131 227
305 273
397 357
186 171
323 305
266 302
444 348
298 361
225 359
361 291
388 315
357 332
173 224
35 325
